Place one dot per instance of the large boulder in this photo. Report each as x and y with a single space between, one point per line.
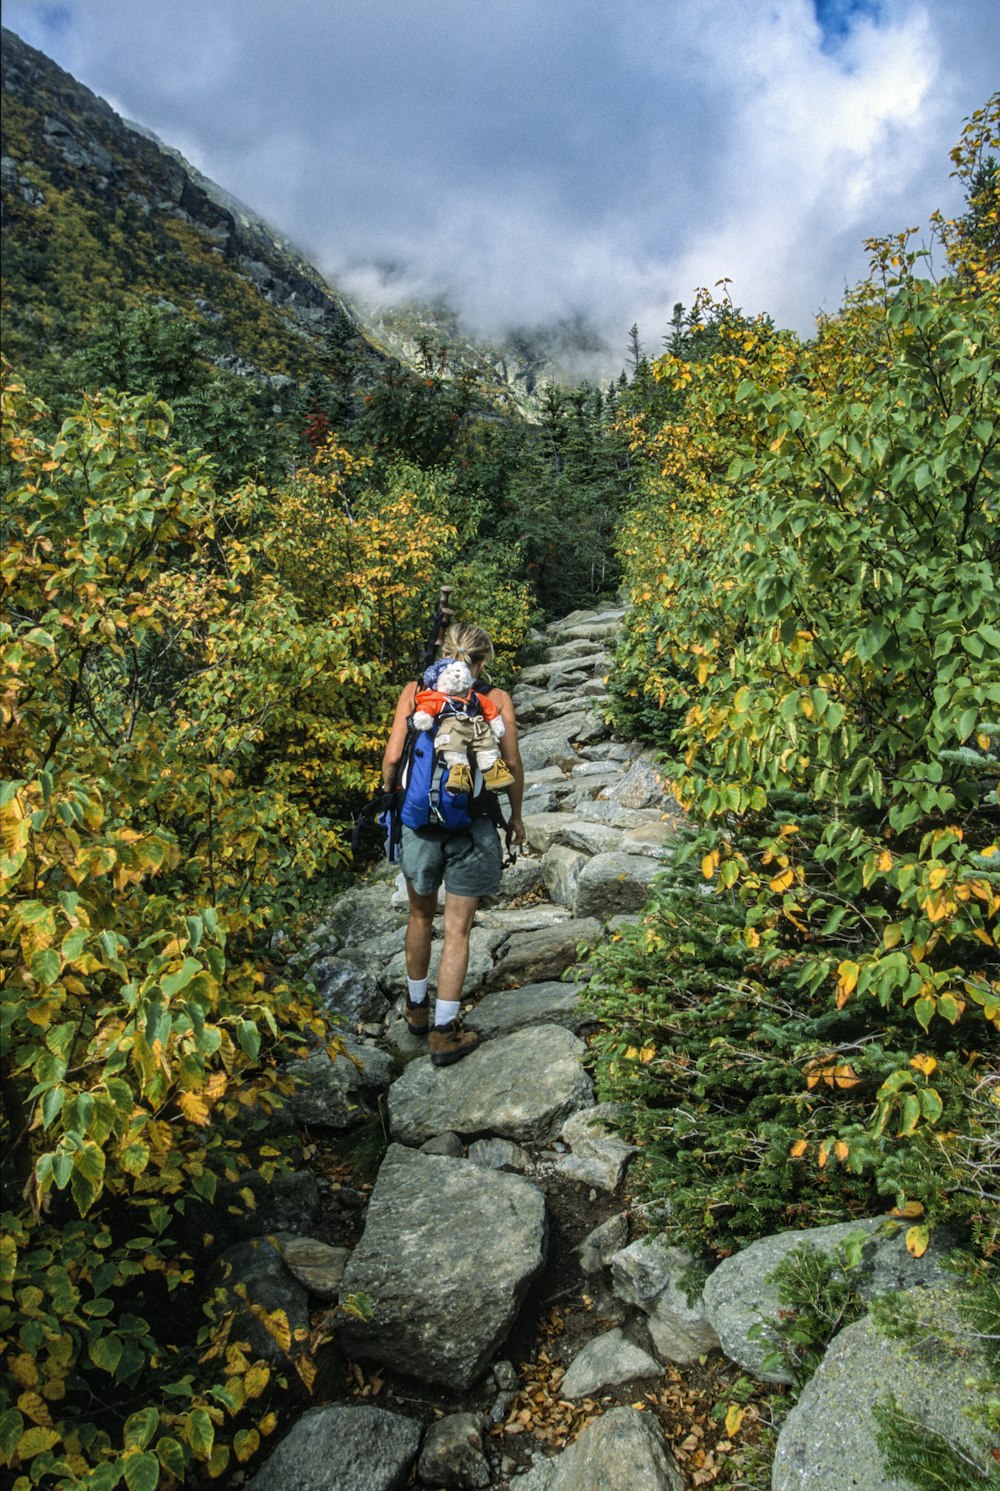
623 1450
253 1282
613 883
347 990
522 1087
548 1003
446 1257
741 1300
533 957
642 786
364 912
342 1449
340 1094
830 1438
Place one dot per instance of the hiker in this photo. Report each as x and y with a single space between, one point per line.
468 861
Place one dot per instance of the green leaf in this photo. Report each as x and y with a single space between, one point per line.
140 1428
174 982
46 966
142 1472
249 1038
11 1429
200 1433
105 1352
171 1456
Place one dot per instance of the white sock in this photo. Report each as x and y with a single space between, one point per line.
418 990
446 1010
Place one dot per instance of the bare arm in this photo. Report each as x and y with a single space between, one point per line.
397 735
511 753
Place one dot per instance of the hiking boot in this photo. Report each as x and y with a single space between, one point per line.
496 777
416 1017
449 1043
459 778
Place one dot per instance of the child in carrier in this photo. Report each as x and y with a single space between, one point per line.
469 723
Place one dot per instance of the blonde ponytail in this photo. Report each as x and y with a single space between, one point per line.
469 644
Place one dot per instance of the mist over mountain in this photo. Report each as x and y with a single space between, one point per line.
99 209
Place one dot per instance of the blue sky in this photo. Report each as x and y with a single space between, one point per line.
535 159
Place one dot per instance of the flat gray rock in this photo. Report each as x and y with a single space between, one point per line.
543 829
533 957
549 1003
446 1257
590 838
829 1438
649 838
524 919
522 1087
342 1449
641 786
611 884
607 1361
599 1156
550 744
738 1296
623 1450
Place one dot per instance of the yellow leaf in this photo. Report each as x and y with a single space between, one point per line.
646 1054
193 1107
752 937
783 881
925 1064
908 1209
884 861
846 981
937 877
256 1381
709 864
841 1150
893 935
734 1418
632 1053
917 1239
798 1149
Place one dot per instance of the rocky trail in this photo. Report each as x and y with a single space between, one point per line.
528 1333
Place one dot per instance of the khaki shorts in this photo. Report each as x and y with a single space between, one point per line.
469 862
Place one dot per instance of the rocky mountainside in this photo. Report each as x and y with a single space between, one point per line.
96 211
99 210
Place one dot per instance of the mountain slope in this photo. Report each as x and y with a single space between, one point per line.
97 211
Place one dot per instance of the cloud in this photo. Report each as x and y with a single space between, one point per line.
541 159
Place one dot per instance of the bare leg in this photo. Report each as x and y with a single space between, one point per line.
458 914
418 933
